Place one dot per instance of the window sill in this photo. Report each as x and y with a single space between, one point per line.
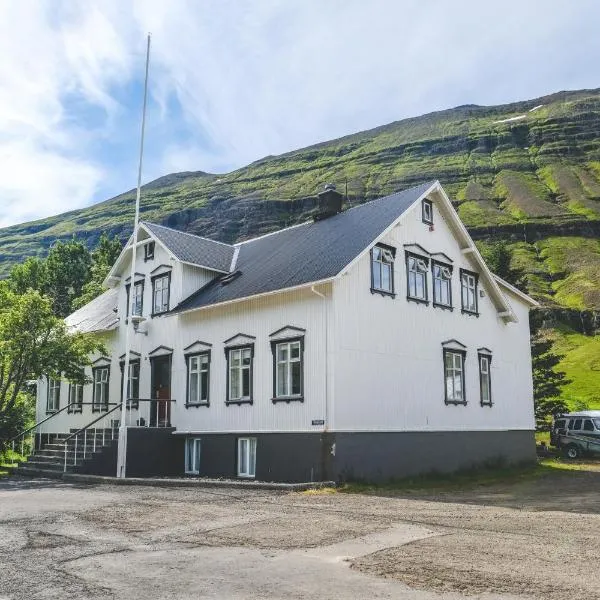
238 402
246 476
383 292
488 404
287 399
428 223
464 311
418 300
196 404
97 410
455 402
74 412
443 306
51 412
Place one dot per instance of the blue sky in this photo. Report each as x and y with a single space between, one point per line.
233 81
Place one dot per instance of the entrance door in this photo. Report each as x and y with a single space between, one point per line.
160 412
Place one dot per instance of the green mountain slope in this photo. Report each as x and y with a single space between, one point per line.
527 172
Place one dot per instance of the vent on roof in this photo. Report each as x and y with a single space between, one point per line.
330 203
229 278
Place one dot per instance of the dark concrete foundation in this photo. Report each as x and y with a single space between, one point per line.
305 457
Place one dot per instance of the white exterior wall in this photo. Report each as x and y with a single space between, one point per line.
388 354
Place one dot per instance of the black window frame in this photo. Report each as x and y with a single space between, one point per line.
96 407
50 411
464 310
463 354
435 302
381 291
240 401
488 357
128 291
134 404
287 399
149 248
408 256
154 280
429 203
188 356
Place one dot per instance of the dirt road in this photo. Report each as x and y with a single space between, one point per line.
537 539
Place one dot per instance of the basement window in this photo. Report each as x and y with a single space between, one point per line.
246 460
382 269
192 456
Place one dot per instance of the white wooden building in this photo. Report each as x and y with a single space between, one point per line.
370 343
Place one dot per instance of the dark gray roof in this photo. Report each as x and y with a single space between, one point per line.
194 249
306 253
97 315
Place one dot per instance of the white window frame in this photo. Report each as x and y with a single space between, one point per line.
53 398
237 370
101 380
75 397
416 267
441 280
246 459
427 206
194 445
382 261
468 292
288 364
452 372
197 365
161 285
485 379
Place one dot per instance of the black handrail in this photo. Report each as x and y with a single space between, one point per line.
92 422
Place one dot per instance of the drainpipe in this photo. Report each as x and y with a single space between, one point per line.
324 297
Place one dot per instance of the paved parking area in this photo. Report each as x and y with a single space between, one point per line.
536 539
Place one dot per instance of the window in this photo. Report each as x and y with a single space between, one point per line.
468 285
454 374
160 293
133 383
485 380
442 285
427 212
135 302
588 425
597 423
239 379
198 366
575 424
192 456
100 389
148 251
53 400
75 398
382 269
246 457
416 269
288 369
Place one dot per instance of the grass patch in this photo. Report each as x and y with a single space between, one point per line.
550 464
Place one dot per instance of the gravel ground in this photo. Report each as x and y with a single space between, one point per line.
537 539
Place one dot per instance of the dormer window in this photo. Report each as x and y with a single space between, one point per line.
148 251
160 293
382 269
427 211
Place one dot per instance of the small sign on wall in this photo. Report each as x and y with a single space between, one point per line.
318 422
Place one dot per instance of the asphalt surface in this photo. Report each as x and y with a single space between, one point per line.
538 539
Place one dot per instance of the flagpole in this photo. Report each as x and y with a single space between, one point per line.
129 329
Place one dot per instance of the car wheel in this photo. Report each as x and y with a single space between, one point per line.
573 451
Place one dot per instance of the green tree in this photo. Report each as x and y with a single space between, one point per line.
547 382
498 256
31 274
68 269
104 257
34 342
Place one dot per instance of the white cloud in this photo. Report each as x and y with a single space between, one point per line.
232 81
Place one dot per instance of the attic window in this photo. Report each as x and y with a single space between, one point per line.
149 251
427 212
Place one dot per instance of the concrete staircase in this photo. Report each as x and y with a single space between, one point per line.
49 459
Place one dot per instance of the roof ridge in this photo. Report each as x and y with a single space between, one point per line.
201 237
264 235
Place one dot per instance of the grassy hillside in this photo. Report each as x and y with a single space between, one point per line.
527 172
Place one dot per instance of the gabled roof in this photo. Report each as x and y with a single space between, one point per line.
193 249
97 315
307 253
